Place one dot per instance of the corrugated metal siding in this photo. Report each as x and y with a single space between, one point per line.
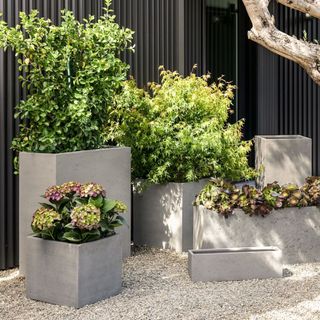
195 35
167 33
287 99
10 94
156 34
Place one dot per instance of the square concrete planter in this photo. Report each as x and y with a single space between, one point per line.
162 215
110 167
286 159
294 231
73 274
235 264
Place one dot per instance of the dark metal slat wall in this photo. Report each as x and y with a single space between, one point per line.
288 101
160 40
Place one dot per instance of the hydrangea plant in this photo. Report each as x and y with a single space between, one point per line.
77 213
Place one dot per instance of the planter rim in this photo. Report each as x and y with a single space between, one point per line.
239 209
240 250
77 152
280 137
136 181
77 245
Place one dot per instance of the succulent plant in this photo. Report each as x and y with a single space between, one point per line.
293 196
44 219
312 189
251 201
219 195
271 194
86 217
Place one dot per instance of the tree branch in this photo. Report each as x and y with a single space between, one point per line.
264 32
311 7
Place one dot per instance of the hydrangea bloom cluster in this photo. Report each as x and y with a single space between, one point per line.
77 213
71 188
120 207
45 219
57 193
92 190
86 217
54 194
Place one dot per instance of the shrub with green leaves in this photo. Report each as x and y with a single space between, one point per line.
179 130
72 73
77 213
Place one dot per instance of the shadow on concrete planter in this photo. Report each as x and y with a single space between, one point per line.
235 264
162 215
73 274
286 159
110 167
294 231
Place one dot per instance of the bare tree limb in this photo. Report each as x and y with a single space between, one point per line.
311 7
264 32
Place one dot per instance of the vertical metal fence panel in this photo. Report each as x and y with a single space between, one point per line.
287 99
157 25
10 95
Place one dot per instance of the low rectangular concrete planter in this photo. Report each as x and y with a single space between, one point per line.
110 167
162 215
235 264
286 159
294 231
71 274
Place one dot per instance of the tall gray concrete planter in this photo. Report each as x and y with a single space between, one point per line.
111 167
232 264
162 215
294 231
286 159
73 274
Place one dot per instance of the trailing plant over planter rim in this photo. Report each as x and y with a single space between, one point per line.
77 213
223 197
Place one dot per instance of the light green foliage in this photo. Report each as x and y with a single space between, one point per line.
179 130
72 73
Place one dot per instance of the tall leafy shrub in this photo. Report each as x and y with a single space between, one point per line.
179 130
72 73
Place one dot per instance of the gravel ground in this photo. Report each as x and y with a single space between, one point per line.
157 286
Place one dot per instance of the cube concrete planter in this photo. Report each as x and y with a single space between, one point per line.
110 167
286 159
162 215
294 231
235 264
73 274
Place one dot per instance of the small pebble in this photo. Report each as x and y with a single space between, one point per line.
156 286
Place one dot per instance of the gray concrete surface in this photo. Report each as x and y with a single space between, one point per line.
156 286
110 167
232 264
286 159
295 231
162 215
73 275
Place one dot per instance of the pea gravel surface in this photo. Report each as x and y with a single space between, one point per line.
156 285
